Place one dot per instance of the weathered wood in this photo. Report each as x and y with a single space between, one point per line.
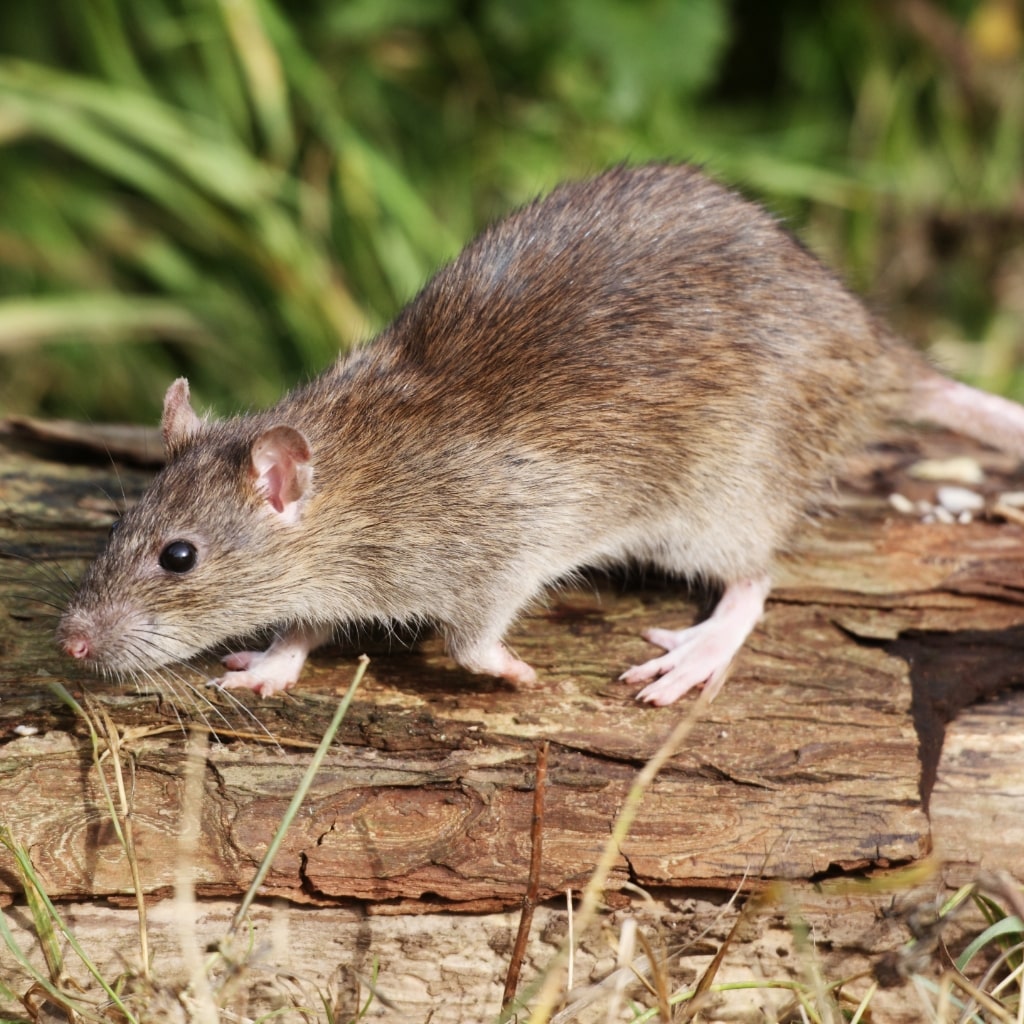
977 805
807 764
451 970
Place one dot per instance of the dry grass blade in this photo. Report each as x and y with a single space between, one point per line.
299 796
184 885
660 980
220 986
980 999
52 986
123 821
550 982
533 885
707 979
49 923
102 728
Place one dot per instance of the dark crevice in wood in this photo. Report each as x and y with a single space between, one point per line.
855 870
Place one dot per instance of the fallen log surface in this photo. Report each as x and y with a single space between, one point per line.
821 755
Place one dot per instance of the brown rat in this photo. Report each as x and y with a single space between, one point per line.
644 367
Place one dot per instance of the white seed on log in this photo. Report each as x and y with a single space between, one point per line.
901 503
960 469
959 499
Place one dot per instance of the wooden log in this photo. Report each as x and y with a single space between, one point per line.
807 764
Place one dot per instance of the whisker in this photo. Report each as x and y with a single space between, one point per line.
237 705
158 686
61 575
243 709
120 482
37 600
155 640
58 609
168 677
167 683
52 572
114 503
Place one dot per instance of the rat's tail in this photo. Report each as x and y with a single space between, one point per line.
988 418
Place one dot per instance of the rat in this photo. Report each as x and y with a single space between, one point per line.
641 368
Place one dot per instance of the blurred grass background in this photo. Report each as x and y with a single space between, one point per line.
236 189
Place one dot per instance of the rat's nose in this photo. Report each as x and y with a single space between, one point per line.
77 646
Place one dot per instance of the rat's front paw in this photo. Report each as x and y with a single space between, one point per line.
275 669
265 683
266 672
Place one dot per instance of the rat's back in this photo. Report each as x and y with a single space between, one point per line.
691 371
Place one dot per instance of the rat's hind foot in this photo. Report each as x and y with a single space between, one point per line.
698 656
702 654
496 660
275 669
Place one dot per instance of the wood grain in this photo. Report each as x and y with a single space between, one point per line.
807 765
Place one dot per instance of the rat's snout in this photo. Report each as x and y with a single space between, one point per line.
74 637
116 640
76 646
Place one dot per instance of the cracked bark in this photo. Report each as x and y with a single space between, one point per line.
880 629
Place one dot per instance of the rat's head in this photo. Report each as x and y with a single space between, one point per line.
206 553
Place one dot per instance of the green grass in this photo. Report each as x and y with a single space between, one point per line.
237 191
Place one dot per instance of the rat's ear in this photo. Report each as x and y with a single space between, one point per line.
281 468
179 422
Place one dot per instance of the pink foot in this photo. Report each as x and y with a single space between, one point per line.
498 660
275 669
702 654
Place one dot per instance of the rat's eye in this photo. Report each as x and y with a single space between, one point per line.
178 556
113 527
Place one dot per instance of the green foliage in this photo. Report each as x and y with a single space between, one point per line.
237 189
